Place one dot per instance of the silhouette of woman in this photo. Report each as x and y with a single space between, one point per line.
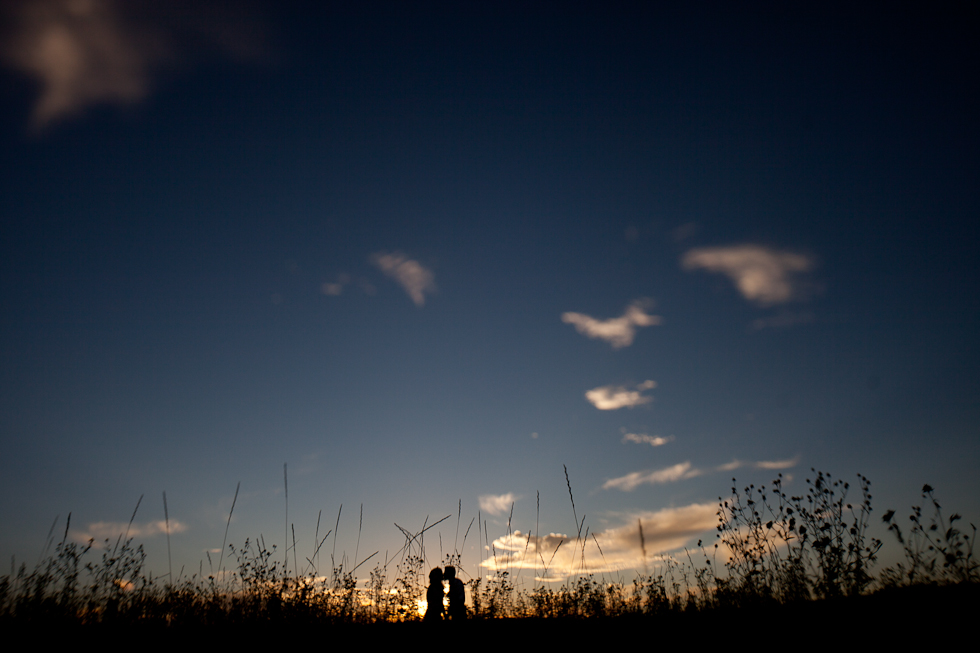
457 594
433 596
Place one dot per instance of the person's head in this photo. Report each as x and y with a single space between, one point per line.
450 573
435 576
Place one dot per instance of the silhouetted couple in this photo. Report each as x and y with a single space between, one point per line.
435 594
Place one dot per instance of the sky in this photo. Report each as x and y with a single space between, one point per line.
426 258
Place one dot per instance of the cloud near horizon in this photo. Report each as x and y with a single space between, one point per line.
664 531
617 331
105 530
89 52
762 275
409 274
497 504
614 397
631 481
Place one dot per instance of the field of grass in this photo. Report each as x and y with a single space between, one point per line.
786 560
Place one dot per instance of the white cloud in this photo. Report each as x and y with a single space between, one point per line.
497 504
411 275
632 481
777 464
643 438
87 52
664 531
613 397
104 530
764 276
617 331
761 464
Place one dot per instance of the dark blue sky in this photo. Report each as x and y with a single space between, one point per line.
395 248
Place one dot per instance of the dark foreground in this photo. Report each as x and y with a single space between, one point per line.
937 616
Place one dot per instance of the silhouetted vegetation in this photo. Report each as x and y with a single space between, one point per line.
776 551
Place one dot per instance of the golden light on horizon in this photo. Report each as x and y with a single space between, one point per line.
421 605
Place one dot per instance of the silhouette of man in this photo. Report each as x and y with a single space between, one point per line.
457 594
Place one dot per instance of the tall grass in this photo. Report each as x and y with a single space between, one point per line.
771 549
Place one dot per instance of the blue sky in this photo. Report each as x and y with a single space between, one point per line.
428 256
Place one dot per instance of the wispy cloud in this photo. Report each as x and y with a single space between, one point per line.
409 274
762 275
760 464
664 531
632 481
105 530
684 470
497 504
617 331
88 52
643 438
778 464
613 397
